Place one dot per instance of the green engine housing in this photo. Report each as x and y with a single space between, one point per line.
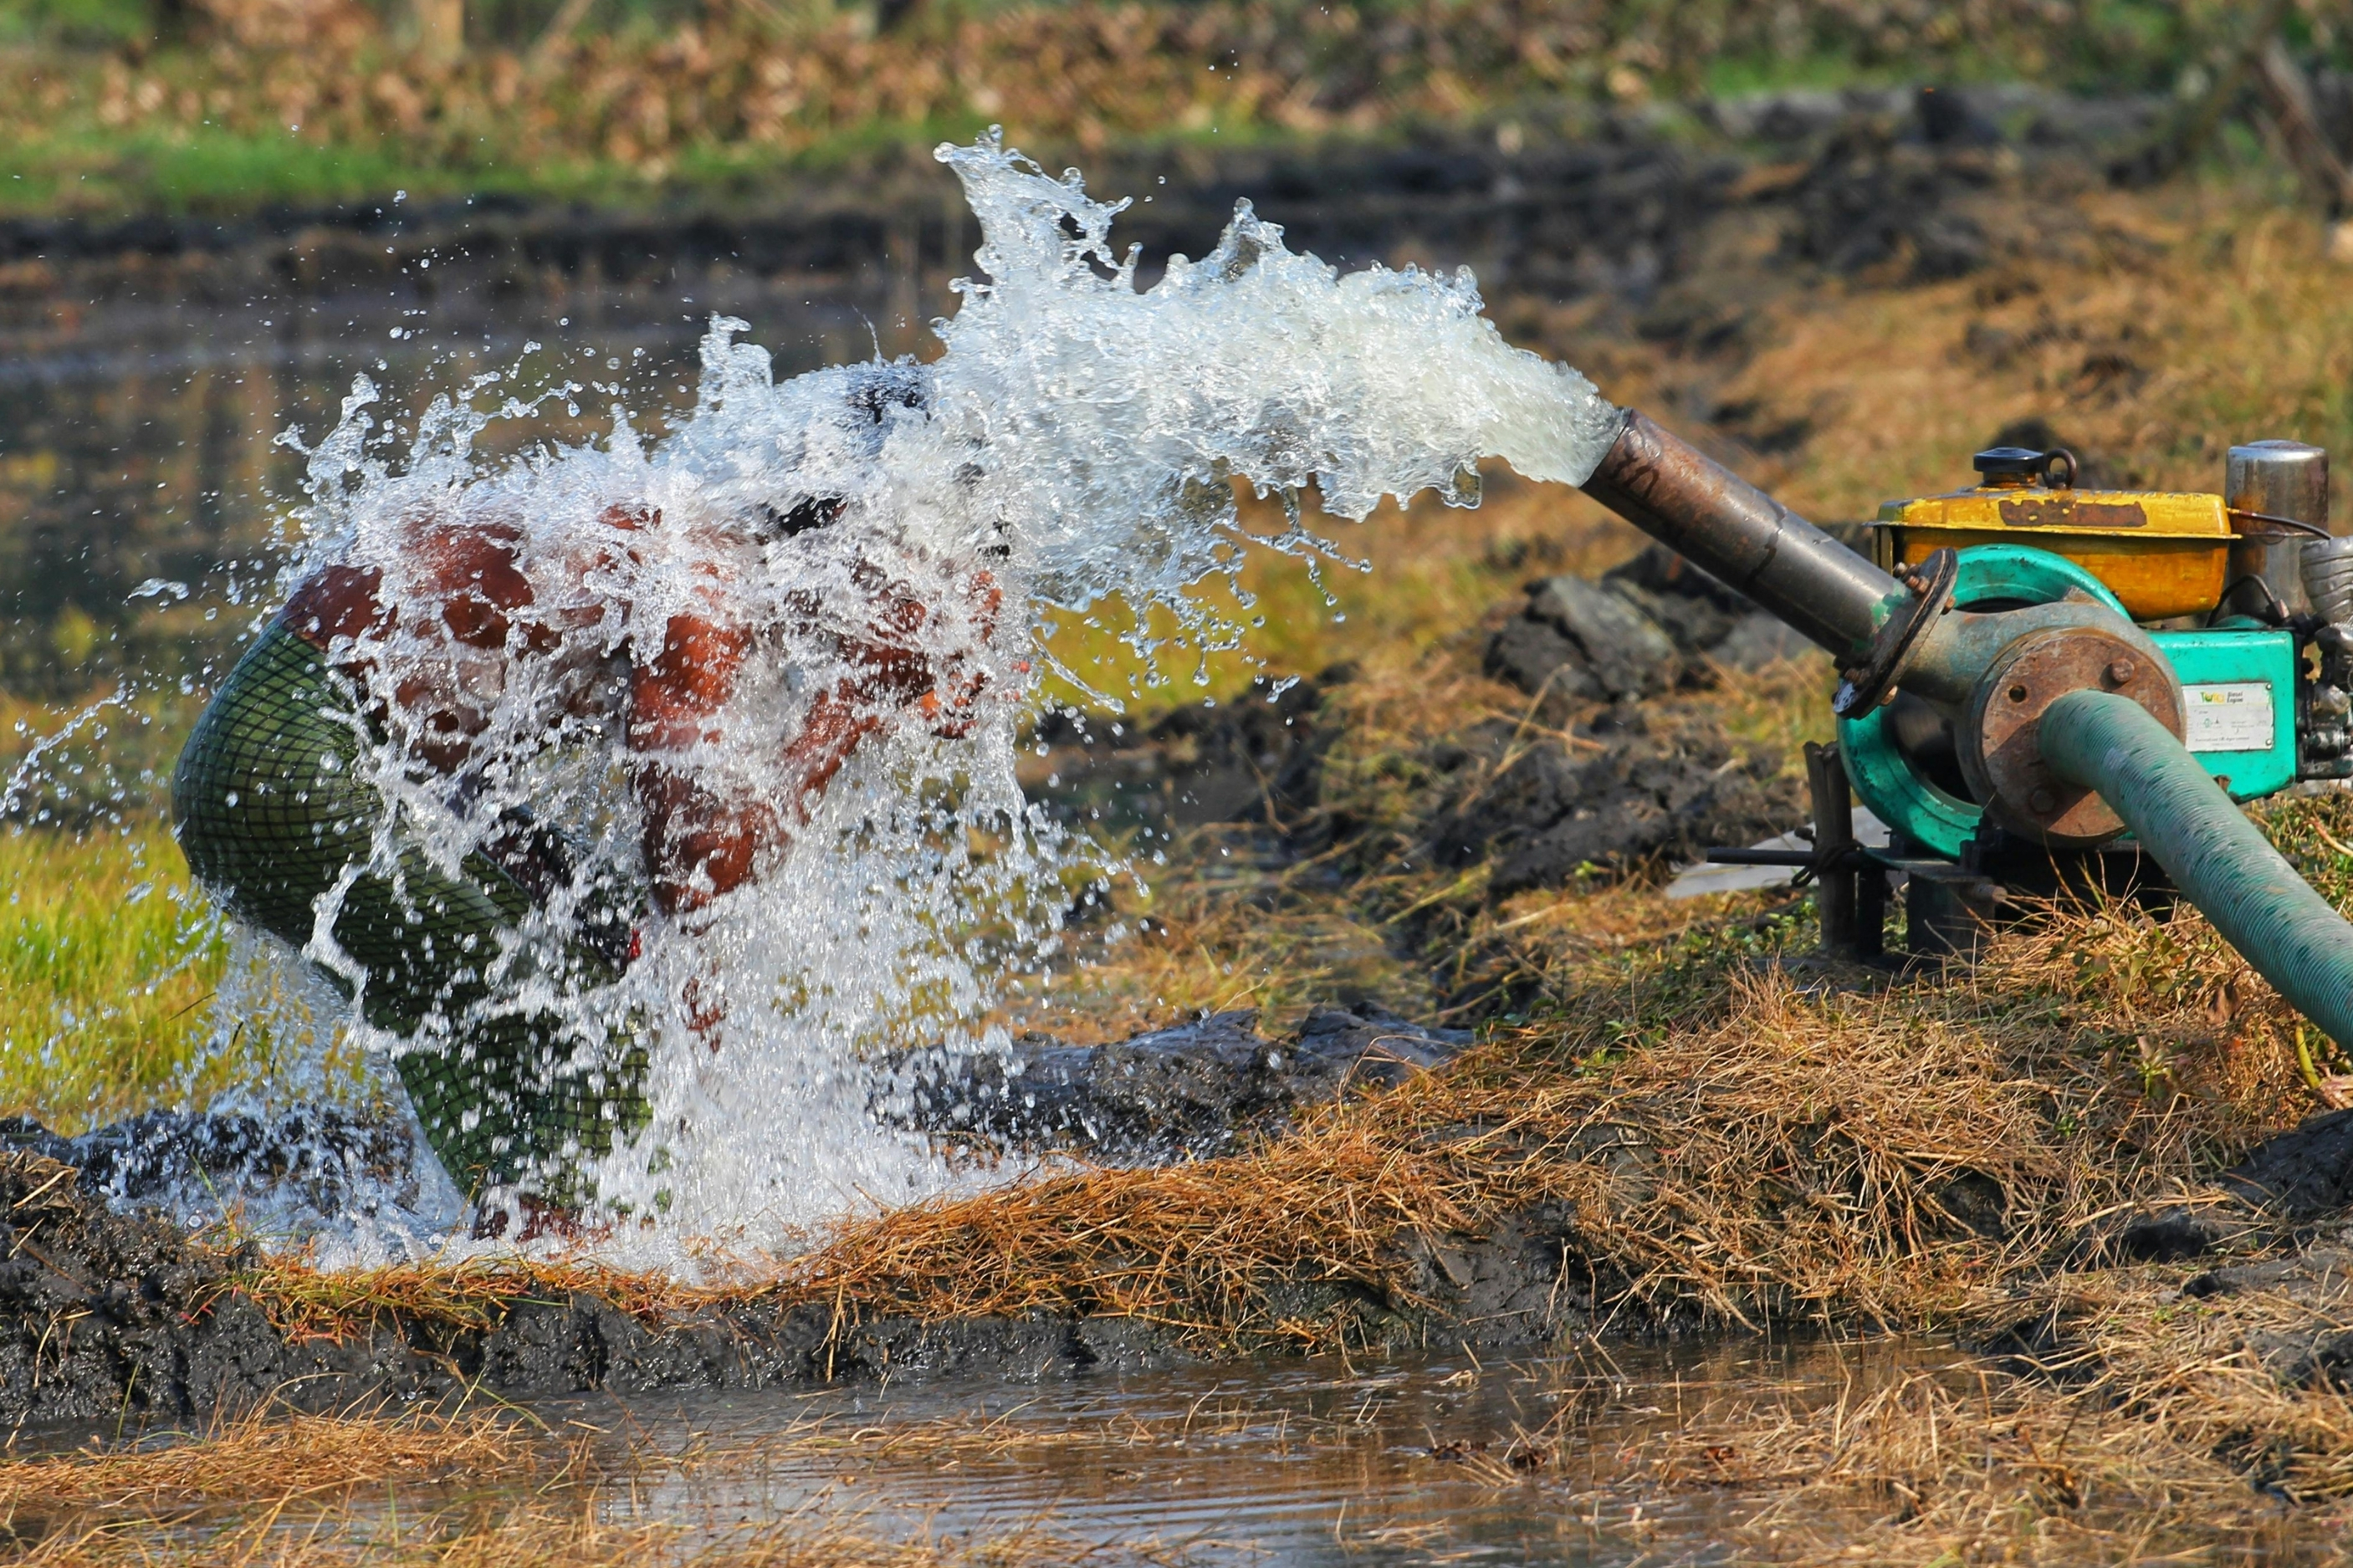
2238 679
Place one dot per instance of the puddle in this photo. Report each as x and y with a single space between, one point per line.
1600 1457
1302 1462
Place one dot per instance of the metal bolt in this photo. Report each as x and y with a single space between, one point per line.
2044 802
2120 672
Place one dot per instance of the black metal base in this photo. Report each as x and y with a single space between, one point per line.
2001 880
1950 907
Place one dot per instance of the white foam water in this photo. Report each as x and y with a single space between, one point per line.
1077 441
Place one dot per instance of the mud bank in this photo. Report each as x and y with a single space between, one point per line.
1193 1091
107 1305
103 1312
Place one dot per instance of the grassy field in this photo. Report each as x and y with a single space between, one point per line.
105 975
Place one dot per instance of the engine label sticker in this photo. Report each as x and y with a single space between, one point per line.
2229 716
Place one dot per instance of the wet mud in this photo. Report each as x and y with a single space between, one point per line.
106 1312
1193 1091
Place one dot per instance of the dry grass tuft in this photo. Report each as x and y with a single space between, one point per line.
1861 1158
2152 1422
568 1534
471 1489
270 1452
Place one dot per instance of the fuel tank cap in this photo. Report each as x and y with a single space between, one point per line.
2002 466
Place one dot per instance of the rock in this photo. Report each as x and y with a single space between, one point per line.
2300 1175
1197 1089
1602 646
1757 639
1557 808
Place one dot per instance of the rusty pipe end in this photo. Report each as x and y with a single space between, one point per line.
1735 532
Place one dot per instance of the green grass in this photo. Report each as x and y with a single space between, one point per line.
105 974
81 169
84 169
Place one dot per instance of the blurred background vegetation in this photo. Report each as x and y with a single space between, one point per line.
202 102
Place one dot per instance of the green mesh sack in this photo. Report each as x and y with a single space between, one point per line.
271 813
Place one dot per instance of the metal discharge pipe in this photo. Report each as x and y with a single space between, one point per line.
2291 935
1743 537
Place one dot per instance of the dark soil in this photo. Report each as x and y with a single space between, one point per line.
2299 1183
1644 791
1640 785
1597 780
106 1313
329 1157
1648 626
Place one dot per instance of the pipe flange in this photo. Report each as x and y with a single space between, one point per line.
1864 687
2001 750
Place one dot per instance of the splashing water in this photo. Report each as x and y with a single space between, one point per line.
1077 441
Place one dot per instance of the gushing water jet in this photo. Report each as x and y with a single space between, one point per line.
629 794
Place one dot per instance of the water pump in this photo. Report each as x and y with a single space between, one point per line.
2044 684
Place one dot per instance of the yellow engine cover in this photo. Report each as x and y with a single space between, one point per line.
2163 554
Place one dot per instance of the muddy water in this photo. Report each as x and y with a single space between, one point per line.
1308 1462
1571 1460
1435 1459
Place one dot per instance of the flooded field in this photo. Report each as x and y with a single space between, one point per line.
138 438
145 371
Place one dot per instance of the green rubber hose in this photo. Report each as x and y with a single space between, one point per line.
2214 855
